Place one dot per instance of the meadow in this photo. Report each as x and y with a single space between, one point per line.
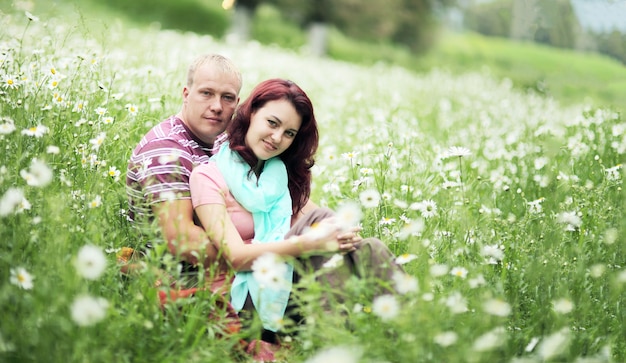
504 206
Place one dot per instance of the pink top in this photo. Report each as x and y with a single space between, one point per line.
209 187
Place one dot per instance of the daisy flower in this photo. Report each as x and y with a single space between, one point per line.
446 339
349 155
571 220
88 310
90 262
554 345
96 202
36 131
10 82
493 251
107 120
20 277
411 228
405 258
31 17
38 175
386 221
132 109
385 307
348 215
405 283
335 261
456 303
534 207
336 355
366 171
459 272
428 208
97 141
497 307
614 173
114 173
53 83
79 106
457 151
370 198
6 128
11 199
101 111
490 340
562 306
169 158
438 270
269 271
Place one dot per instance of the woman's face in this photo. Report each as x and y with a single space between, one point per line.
273 128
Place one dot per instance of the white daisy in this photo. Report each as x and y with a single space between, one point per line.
38 175
571 220
457 303
335 261
348 215
6 128
490 340
370 198
405 283
336 355
20 277
459 272
10 201
457 151
497 307
405 258
36 131
88 310
554 345
385 307
562 306
269 271
446 339
90 262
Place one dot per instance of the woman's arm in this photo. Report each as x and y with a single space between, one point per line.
223 234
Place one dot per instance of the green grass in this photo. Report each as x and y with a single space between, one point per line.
518 241
566 75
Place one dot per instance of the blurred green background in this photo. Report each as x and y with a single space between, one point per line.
572 50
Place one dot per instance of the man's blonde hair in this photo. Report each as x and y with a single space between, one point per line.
220 62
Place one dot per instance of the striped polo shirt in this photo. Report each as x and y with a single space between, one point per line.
160 166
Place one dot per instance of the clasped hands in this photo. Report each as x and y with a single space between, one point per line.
331 236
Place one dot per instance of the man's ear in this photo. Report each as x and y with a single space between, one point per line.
185 94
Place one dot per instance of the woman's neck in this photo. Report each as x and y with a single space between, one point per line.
258 168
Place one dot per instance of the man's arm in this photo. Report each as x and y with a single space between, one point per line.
184 238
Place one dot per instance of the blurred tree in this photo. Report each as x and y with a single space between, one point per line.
409 22
556 24
242 19
415 25
524 19
490 18
613 44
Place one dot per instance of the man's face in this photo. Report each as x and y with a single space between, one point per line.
209 103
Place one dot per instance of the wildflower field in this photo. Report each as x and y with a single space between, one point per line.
505 207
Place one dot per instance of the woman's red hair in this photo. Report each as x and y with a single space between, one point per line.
298 158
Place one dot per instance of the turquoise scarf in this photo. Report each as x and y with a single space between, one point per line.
269 202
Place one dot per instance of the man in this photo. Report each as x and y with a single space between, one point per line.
157 181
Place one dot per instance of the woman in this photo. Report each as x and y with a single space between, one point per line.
252 199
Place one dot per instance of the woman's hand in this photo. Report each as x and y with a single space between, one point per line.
327 236
349 241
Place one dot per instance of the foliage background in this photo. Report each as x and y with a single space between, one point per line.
384 128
